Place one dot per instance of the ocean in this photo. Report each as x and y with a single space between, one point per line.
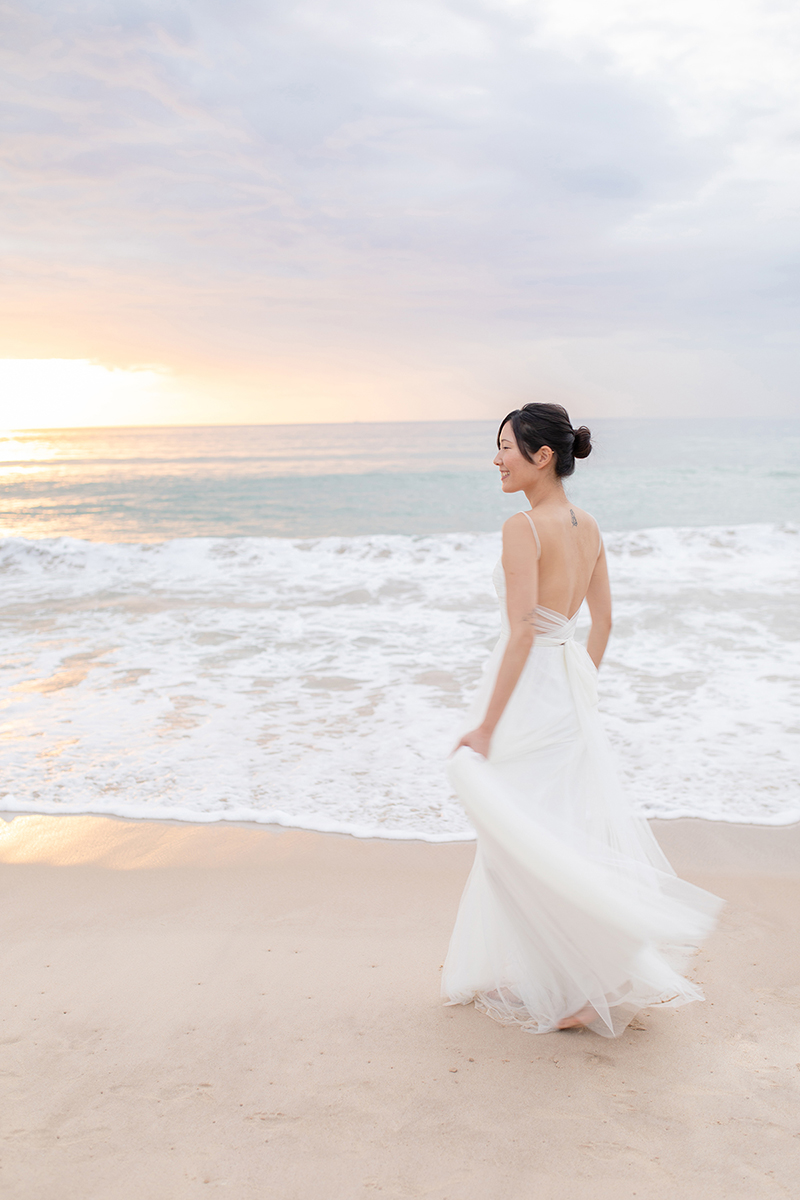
284 624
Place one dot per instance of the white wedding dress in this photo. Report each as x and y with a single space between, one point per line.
570 900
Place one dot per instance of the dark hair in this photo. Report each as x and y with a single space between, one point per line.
537 425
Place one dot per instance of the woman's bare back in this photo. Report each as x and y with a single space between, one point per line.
570 546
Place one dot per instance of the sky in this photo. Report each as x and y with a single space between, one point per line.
236 211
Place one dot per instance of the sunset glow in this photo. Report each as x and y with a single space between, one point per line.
57 393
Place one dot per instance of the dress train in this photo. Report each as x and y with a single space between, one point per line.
570 901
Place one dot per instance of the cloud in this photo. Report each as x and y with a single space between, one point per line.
340 202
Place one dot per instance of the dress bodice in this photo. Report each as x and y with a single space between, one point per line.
552 628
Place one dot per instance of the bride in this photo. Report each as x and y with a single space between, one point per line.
572 915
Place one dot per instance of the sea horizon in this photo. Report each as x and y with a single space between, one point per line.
154 483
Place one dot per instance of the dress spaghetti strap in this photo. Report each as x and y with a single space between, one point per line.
535 534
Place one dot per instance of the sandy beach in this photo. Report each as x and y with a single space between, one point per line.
191 1008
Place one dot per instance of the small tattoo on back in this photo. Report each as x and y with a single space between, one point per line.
574 518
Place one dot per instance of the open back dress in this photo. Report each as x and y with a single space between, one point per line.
570 901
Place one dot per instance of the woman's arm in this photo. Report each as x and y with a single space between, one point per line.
598 597
522 586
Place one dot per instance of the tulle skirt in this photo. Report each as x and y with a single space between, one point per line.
570 901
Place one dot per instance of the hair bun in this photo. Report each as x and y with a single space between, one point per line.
583 442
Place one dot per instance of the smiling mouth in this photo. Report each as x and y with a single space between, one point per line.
504 474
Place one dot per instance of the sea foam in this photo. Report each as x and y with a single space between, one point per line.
321 683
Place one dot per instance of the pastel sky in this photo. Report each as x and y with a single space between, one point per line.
311 210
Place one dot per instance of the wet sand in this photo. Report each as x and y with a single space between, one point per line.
191 1008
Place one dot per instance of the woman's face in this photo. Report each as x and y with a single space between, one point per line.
516 473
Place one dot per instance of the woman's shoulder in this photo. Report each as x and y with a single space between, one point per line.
519 528
519 534
520 520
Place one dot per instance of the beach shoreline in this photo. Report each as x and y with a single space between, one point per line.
322 687
199 1007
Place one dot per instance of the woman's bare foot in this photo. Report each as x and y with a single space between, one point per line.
585 1017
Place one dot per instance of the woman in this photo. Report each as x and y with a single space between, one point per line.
571 915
